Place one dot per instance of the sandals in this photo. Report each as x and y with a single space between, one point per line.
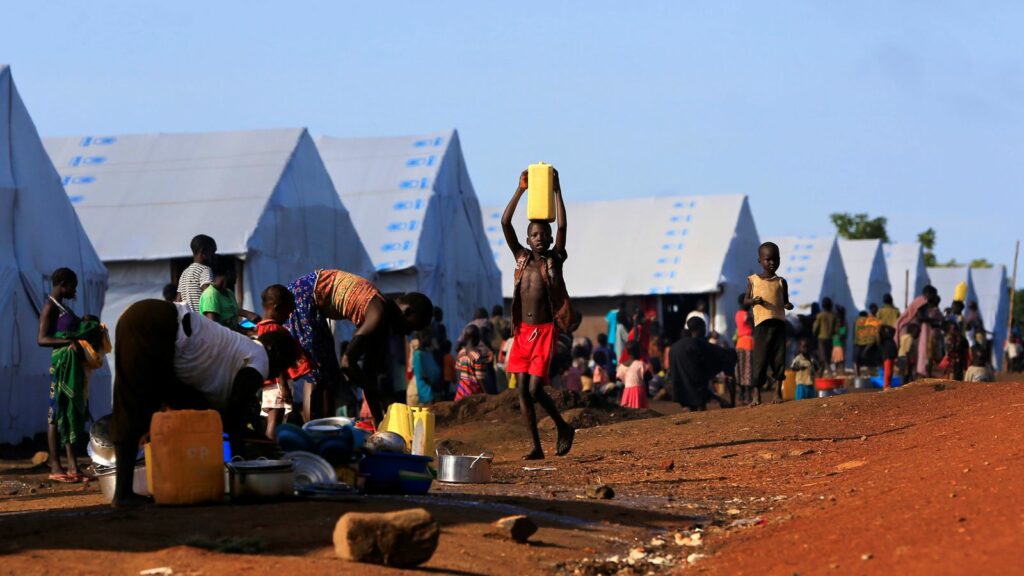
64 478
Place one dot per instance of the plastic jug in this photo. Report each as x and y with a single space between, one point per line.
185 457
398 420
960 292
422 431
540 204
789 386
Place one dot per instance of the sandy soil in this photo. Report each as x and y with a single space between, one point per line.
928 479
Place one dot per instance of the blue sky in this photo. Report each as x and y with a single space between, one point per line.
911 110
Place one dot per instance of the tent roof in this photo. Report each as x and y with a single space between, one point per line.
387 183
638 246
865 270
138 195
899 258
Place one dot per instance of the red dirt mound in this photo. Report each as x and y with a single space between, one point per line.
581 410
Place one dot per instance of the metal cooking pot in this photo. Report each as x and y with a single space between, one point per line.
106 478
260 479
101 449
464 469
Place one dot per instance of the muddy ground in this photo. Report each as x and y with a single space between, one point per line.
928 479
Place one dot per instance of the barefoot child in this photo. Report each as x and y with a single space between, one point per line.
768 295
540 308
278 393
805 366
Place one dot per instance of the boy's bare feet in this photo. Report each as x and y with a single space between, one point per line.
537 454
565 438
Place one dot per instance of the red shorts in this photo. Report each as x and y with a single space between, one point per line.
531 350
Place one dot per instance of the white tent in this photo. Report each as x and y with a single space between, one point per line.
903 259
945 279
414 206
993 293
813 269
866 271
39 232
649 247
264 196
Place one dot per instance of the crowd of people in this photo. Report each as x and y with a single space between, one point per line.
198 348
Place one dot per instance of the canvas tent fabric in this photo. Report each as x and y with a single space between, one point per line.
945 279
992 290
903 259
263 195
416 211
864 263
813 268
39 232
662 245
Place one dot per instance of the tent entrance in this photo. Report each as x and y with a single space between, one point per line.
675 307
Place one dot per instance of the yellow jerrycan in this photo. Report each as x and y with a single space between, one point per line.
422 431
960 292
185 457
398 419
540 204
789 386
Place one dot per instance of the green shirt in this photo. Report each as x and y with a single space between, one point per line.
224 305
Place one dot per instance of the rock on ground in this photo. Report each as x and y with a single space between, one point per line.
516 528
403 538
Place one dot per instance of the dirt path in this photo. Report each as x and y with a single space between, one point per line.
924 480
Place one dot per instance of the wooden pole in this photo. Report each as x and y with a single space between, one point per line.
906 289
1013 290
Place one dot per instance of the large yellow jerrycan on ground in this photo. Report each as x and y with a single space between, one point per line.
540 203
185 457
422 431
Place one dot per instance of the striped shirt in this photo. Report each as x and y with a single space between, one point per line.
191 283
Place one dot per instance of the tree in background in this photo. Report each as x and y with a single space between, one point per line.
927 240
860 226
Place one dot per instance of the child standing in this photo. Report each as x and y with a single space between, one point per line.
768 295
634 373
744 350
218 302
470 364
194 279
906 354
278 393
805 366
540 309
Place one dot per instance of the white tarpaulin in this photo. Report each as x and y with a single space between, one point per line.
263 195
945 279
902 258
416 212
648 246
993 293
813 269
39 232
865 268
